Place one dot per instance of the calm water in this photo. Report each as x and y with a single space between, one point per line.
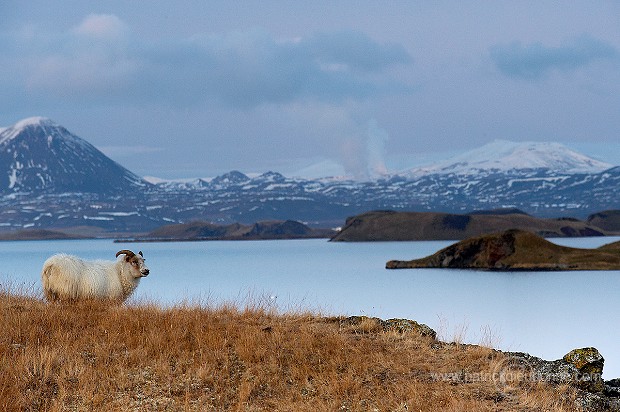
546 314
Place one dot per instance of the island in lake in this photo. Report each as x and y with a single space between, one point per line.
388 225
513 250
264 230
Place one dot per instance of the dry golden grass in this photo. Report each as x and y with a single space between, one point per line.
96 357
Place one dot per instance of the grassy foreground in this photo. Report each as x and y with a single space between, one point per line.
96 357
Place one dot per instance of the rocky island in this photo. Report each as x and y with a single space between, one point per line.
513 250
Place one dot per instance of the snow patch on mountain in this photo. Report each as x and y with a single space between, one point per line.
34 121
506 156
9 133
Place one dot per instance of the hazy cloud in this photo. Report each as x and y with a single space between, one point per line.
105 26
128 150
100 60
90 62
353 51
535 60
96 75
250 68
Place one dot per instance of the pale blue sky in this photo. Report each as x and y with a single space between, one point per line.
198 88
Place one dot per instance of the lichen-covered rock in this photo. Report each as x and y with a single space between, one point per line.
406 325
589 362
597 402
612 389
557 372
581 368
363 324
372 324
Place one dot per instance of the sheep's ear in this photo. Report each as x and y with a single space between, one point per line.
140 253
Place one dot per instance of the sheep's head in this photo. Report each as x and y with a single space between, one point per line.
135 261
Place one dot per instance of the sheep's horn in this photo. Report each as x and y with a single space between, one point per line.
129 253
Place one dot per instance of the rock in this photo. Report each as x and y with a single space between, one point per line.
406 325
612 391
581 368
589 362
363 323
557 372
594 402
614 382
372 324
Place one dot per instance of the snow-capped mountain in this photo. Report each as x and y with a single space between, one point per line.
50 178
507 156
39 155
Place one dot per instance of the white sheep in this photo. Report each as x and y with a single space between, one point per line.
69 278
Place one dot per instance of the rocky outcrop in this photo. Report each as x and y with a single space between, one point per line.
515 250
372 324
580 368
589 363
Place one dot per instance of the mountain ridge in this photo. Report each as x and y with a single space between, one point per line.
51 184
505 155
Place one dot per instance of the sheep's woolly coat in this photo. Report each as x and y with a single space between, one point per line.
66 278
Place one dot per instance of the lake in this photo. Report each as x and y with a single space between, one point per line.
545 314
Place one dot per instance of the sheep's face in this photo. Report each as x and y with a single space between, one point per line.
136 262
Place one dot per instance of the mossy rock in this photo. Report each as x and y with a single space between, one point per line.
590 363
363 324
373 324
586 360
406 325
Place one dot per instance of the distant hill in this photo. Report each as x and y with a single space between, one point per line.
516 250
606 220
288 229
395 226
39 234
